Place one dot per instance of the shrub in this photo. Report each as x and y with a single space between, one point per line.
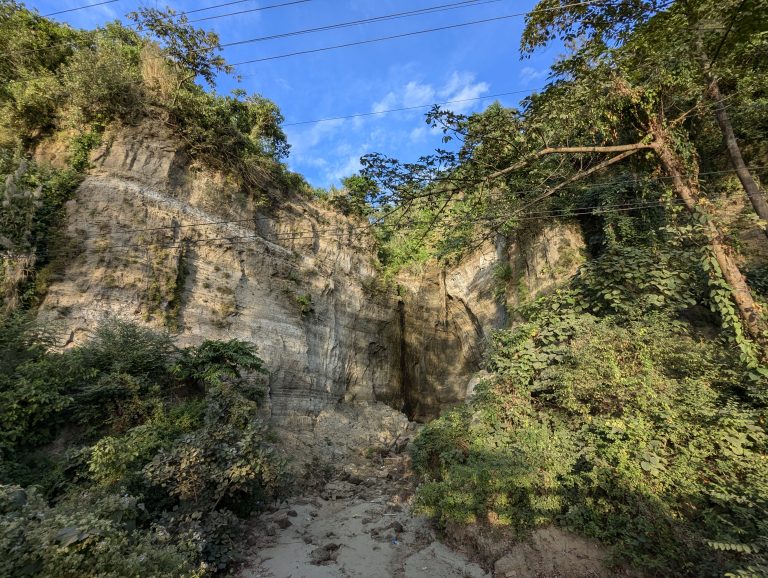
102 81
70 540
161 454
121 347
628 428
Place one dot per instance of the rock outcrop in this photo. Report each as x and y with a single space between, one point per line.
155 238
447 315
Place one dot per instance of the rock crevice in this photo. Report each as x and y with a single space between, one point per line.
163 242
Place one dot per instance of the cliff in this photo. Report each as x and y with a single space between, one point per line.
154 238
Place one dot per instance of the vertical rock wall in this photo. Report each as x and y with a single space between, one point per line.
448 314
155 239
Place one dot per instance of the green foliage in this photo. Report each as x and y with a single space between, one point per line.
101 82
71 540
81 148
33 388
304 302
57 77
218 465
635 280
214 361
152 453
192 50
353 199
31 217
609 415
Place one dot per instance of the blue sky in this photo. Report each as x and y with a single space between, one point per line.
454 64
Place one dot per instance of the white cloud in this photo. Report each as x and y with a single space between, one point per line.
415 94
330 150
385 103
304 138
529 74
343 169
418 133
459 86
456 82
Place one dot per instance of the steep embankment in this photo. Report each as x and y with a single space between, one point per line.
152 238
156 239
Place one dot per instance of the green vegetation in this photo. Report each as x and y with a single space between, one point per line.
65 85
304 301
612 415
162 444
57 77
31 215
630 404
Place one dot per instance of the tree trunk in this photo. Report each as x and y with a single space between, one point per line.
688 192
734 154
726 128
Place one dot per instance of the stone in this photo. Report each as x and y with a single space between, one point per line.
396 526
283 522
325 554
299 281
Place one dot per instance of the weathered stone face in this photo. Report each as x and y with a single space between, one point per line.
298 281
447 315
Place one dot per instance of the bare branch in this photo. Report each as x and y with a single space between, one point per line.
571 150
583 174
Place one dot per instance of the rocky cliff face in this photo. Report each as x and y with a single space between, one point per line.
155 239
447 314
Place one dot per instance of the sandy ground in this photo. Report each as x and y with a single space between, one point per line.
358 521
354 518
358 525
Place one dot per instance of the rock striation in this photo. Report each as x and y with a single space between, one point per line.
154 238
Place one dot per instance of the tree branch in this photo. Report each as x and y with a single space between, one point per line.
571 150
583 174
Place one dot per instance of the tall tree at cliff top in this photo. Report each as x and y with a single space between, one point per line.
614 101
669 51
714 41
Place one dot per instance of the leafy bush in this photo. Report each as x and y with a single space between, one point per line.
627 427
58 77
32 201
162 444
120 347
102 81
33 384
353 199
70 540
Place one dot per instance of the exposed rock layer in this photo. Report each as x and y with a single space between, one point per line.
156 239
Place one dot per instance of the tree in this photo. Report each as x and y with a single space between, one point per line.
689 24
599 113
193 51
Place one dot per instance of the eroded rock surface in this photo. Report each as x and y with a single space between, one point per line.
447 315
154 238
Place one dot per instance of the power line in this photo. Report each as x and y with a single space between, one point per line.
385 38
335 232
340 232
74 41
592 186
292 236
258 9
232 240
373 19
79 8
408 34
